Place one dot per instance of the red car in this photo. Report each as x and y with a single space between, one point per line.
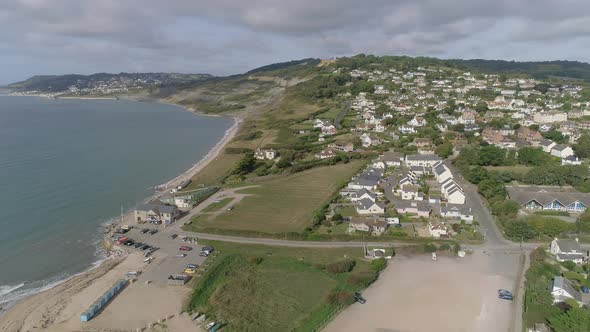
185 248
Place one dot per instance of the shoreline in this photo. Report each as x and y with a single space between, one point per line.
108 262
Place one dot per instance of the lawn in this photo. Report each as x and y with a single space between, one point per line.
215 170
284 204
261 288
217 205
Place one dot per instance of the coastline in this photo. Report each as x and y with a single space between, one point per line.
16 313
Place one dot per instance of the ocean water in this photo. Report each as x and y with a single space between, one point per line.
67 166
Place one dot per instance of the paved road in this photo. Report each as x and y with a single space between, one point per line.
341 115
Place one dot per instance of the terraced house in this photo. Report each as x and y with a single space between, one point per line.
533 198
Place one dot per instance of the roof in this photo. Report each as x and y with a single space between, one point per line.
566 285
524 195
422 157
391 156
560 147
366 203
546 142
462 209
372 222
568 245
155 207
410 187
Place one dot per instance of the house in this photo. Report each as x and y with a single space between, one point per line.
325 154
372 226
392 158
263 154
441 172
452 192
417 121
155 213
183 202
467 117
343 147
362 194
367 207
329 130
426 150
571 160
550 117
547 145
367 140
562 151
562 289
406 129
424 160
534 198
438 230
567 250
419 208
410 192
422 142
529 135
454 211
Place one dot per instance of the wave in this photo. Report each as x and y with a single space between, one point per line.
9 289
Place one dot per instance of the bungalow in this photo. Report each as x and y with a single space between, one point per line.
367 207
372 226
562 151
438 230
263 154
419 208
344 147
571 160
533 198
453 211
562 289
567 250
155 213
325 154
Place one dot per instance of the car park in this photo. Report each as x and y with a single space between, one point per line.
145 230
153 231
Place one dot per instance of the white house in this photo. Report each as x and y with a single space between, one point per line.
549 117
424 160
361 194
562 289
437 229
547 145
441 172
456 196
567 250
562 151
369 207
262 154
453 211
410 192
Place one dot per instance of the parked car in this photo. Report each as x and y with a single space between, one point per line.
145 230
507 297
153 231
210 325
585 289
215 327
138 244
181 255
145 247
204 254
504 292
190 271
185 248
359 298
174 236
192 266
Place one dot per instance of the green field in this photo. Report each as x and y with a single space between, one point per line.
284 204
261 288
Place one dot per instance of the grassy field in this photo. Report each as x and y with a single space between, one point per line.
517 171
215 170
284 204
260 288
217 205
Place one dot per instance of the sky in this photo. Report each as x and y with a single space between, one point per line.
222 37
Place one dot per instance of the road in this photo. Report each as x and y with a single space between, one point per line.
341 115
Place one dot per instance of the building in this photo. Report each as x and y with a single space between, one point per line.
344 147
419 208
424 160
183 202
562 289
452 192
567 250
547 145
441 172
550 117
571 160
538 198
438 230
369 207
410 192
453 211
155 213
562 151
392 158
369 225
529 135
325 154
263 154
362 194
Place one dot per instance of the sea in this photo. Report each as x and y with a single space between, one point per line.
67 166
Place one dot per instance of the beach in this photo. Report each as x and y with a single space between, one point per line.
58 308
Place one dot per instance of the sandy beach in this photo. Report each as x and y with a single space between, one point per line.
58 308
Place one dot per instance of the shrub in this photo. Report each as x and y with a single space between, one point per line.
255 260
569 265
340 298
429 247
362 279
378 264
342 266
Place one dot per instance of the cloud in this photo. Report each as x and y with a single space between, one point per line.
229 36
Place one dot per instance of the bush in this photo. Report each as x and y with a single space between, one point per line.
362 279
237 150
378 264
255 260
341 266
569 265
429 247
340 298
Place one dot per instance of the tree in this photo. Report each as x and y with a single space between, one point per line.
245 165
444 150
575 319
491 155
556 136
532 156
583 223
481 107
582 147
490 188
506 209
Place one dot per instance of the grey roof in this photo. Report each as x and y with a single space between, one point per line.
568 245
559 147
455 208
156 208
439 169
524 195
567 286
366 203
420 205
546 142
361 192
391 156
423 157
